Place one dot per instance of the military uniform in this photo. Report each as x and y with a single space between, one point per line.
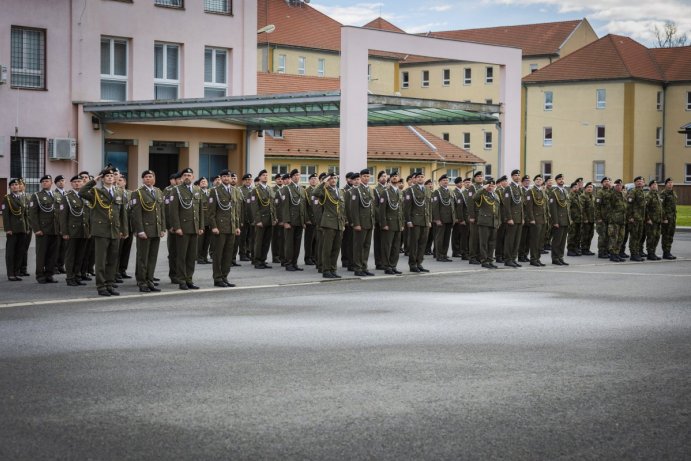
246 246
148 220
669 221
43 218
601 221
392 224
536 217
512 203
187 215
635 215
317 211
487 210
615 208
347 244
126 243
205 240
444 216
573 239
171 240
264 216
459 232
653 221
559 212
73 225
473 243
361 212
418 217
310 230
16 225
59 195
377 194
332 224
224 216
524 246
277 234
24 265
587 202
108 223
294 213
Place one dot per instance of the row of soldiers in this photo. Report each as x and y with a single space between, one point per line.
482 220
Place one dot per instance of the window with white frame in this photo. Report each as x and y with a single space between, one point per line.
28 161
533 68
392 169
687 173
425 78
488 170
600 135
369 72
418 169
658 136
688 100
306 171
301 65
281 69
488 101
688 139
445 136
598 170
276 134
215 73
28 58
166 71
333 169
488 140
489 74
601 96
549 100
405 79
372 174
546 170
466 140
218 6
113 69
321 67
659 100
467 75
170 3
446 77
279 168
547 136
452 173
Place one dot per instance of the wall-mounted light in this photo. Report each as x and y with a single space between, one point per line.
260 133
95 123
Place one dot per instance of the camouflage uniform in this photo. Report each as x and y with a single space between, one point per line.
601 220
615 207
653 220
635 215
587 201
669 214
573 239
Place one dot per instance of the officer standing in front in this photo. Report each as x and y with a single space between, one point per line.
536 218
264 216
512 203
332 224
444 216
148 224
559 212
74 232
16 228
225 214
362 221
294 217
391 221
488 214
418 218
43 219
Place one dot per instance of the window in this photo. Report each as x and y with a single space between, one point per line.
598 171
547 138
549 100
687 175
467 75
546 170
688 139
659 172
488 101
373 174
28 161
306 171
279 169
281 64
658 136
390 170
446 77
488 170
425 78
218 6
113 69
28 60
301 65
170 3
215 81
466 140
601 98
688 100
369 72
659 100
533 68
405 80
600 135
276 134
488 140
321 66
421 170
489 74
166 71
445 136
452 173
333 169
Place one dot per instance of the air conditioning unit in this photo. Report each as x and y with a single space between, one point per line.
62 149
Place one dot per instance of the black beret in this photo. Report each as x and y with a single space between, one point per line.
145 172
466 179
81 173
588 184
579 179
573 184
537 176
365 171
285 176
225 172
75 178
429 181
515 172
443 177
173 176
409 177
328 175
604 179
637 178
503 178
618 181
262 172
107 170
214 178
668 180
381 173
458 180
477 173
203 178
313 175
525 177
196 183
489 181
322 175
293 172
59 178
354 175
559 176
186 170
14 181
394 173
278 176
417 173
651 183
349 175
256 180
246 176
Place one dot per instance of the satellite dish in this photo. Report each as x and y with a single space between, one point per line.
267 29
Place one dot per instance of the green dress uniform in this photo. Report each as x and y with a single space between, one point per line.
246 246
347 244
615 208
224 215
418 217
512 204
669 221
317 211
332 224
536 217
24 271
587 202
277 235
59 195
108 223
361 212
171 240
264 217
459 231
126 243
310 230
559 212
573 239
444 216
74 231
148 224
205 243
524 246
392 225
294 213
43 218
16 225
473 243
186 215
377 194
602 221
635 216
653 221
488 213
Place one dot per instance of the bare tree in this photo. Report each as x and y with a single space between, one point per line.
669 36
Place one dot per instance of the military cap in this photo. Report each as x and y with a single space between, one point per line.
233 174
477 173
458 180
429 181
349 175
409 177
466 179
83 173
196 183
604 179
503 178
328 175
313 175
59 178
525 177
145 172
514 172
559 176
417 173
225 172
323 175
75 178
443 177
293 172
579 179
107 170
489 181
116 170
573 184
651 183
381 173
588 184
246 176
262 172
618 181
668 180
20 180
14 181
354 175
365 171
537 176
172 176
256 180
285 176
637 178
186 170
278 176
394 173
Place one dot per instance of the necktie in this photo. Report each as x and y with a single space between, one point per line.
153 194
110 191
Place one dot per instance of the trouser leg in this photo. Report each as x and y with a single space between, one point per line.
172 257
140 272
652 237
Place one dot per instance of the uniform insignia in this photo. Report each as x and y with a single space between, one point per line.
45 198
253 199
551 200
434 199
381 200
166 201
630 200
31 203
528 197
196 194
277 199
248 200
316 202
354 197
407 197
211 200
3 206
171 198
470 194
506 195
458 200
62 207
597 200
283 197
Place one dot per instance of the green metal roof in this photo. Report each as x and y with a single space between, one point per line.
296 110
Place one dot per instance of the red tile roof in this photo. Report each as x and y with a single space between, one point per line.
675 62
611 57
382 24
301 26
272 83
383 143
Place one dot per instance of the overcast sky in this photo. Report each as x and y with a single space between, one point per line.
634 18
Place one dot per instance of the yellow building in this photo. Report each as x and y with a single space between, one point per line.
613 108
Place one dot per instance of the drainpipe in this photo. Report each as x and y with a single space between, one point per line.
664 127
248 133
500 163
525 130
